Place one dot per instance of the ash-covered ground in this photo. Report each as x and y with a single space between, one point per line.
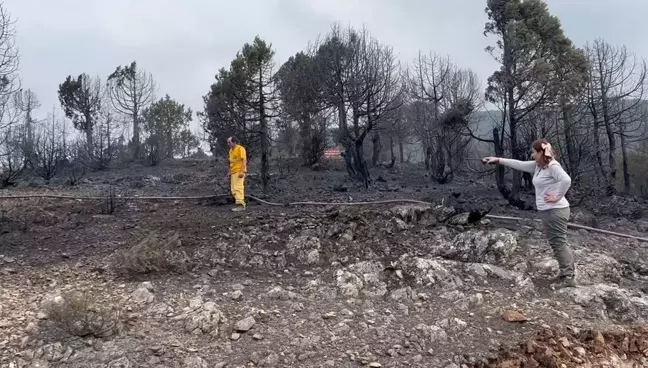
87 283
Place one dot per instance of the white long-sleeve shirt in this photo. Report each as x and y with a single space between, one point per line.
550 180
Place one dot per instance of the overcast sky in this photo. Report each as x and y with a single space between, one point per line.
184 42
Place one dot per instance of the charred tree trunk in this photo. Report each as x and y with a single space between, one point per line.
360 163
599 155
265 146
377 147
89 131
346 141
572 161
308 151
499 171
428 157
624 158
169 142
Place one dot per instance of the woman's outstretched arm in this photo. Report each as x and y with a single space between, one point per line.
526 166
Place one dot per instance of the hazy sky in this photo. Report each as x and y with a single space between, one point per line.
184 42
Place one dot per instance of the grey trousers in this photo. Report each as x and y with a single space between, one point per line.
555 224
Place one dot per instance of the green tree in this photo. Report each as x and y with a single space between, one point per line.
301 102
81 100
255 62
226 114
132 90
243 101
187 143
164 121
531 48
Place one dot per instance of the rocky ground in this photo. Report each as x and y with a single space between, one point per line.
189 284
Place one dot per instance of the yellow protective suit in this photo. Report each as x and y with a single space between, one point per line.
237 156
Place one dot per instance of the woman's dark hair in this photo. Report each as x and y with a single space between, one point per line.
546 156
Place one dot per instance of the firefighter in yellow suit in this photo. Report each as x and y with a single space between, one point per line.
237 171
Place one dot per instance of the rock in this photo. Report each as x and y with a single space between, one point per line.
204 320
209 306
143 295
362 277
122 362
245 324
413 214
427 271
492 247
607 301
195 362
306 248
402 294
399 224
195 303
278 292
432 333
452 295
375 365
237 295
38 363
513 316
329 315
51 301
272 360
453 323
595 268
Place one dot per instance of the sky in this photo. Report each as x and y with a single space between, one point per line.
183 43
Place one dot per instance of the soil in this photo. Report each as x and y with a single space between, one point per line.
394 285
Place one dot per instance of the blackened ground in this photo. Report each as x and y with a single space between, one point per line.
320 286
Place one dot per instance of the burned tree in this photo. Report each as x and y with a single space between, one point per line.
426 82
49 149
445 97
616 103
81 98
9 61
132 90
361 80
26 102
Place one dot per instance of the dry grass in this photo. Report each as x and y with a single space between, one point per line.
78 314
153 254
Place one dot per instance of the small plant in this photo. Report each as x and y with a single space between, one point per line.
78 314
111 201
75 173
153 254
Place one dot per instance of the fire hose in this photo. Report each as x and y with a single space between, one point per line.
306 203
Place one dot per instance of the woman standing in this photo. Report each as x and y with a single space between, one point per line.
551 183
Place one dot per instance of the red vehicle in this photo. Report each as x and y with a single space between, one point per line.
332 153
